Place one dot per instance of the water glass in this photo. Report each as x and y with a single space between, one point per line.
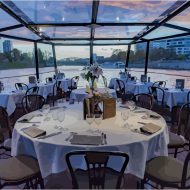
46 109
124 115
60 103
131 105
89 118
61 118
98 119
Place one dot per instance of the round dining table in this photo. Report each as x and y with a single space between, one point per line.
124 136
80 94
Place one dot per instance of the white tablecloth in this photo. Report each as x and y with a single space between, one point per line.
137 87
51 151
44 88
173 96
9 100
80 94
65 83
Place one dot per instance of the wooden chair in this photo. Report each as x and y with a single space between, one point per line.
143 100
159 104
32 102
159 84
74 83
5 131
21 86
176 109
20 170
182 137
49 80
167 172
32 91
120 91
98 174
57 93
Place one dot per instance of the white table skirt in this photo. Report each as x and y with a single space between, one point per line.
80 94
44 88
9 100
65 83
137 87
51 151
173 96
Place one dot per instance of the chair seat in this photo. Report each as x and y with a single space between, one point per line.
7 143
18 168
165 169
175 140
110 179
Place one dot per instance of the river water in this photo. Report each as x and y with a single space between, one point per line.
155 74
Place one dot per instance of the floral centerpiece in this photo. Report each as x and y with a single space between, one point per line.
91 73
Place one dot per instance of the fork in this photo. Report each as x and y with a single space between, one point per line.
71 134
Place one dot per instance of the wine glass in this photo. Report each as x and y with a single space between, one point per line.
45 109
131 105
89 118
124 116
61 118
60 103
98 119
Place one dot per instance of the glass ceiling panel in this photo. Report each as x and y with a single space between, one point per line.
114 42
182 19
6 20
66 32
21 32
132 10
117 31
71 42
47 11
162 32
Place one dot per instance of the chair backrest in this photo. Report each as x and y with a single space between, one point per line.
105 81
184 121
49 79
133 78
160 84
97 167
32 79
185 172
188 96
32 102
33 90
74 82
5 129
121 85
154 91
143 100
21 86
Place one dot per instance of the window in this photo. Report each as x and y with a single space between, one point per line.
137 59
45 61
72 59
112 59
170 64
17 61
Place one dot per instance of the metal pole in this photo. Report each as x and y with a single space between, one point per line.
91 52
54 58
36 59
127 58
146 58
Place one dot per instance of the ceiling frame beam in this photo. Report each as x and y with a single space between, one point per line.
166 19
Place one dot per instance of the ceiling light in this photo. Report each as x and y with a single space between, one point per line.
117 18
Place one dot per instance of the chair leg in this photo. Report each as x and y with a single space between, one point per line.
175 153
142 184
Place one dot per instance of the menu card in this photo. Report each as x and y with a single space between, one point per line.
86 140
150 128
34 132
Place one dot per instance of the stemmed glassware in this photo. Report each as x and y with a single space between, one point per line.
89 118
131 105
124 116
45 111
98 118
